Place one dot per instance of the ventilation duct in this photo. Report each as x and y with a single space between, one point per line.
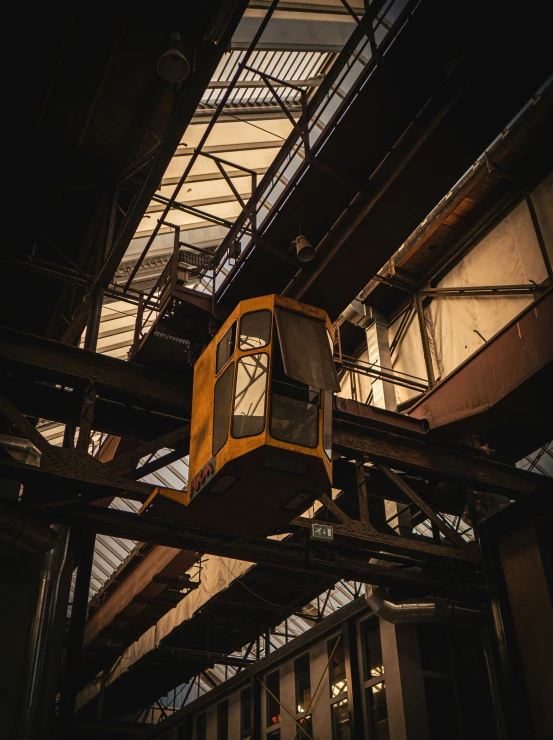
430 611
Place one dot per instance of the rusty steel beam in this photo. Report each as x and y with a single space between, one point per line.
443 526
48 401
332 560
513 356
142 588
351 439
133 456
418 547
41 359
65 474
377 418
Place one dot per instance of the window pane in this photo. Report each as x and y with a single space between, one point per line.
305 351
255 330
372 649
273 699
340 720
305 729
303 683
225 349
294 414
377 711
222 721
245 714
337 667
222 401
249 397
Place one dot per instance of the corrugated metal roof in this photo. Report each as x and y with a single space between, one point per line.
343 593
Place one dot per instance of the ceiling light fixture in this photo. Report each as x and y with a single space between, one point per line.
304 249
173 66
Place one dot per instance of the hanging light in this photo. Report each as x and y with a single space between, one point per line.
173 66
304 249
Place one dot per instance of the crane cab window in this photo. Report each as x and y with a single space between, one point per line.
306 354
222 402
294 413
255 330
249 398
225 349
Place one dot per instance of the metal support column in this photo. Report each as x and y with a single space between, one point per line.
539 236
255 708
378 347
68 688
82 542
425 342
405 695
355 696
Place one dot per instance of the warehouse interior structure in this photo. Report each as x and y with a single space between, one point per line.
214 523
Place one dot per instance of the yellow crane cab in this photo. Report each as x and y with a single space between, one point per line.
261 429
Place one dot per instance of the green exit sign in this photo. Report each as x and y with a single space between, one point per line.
322 532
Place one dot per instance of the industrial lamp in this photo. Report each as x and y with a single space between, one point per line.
304 249
173 66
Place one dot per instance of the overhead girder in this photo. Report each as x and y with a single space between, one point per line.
432 112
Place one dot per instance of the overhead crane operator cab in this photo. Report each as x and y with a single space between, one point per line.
261 431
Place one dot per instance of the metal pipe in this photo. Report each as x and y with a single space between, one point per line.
495 689
436 611
53 568
429 611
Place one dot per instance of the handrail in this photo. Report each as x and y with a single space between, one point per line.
389 375
321 97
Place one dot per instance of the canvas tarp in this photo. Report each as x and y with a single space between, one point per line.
217 574
508 255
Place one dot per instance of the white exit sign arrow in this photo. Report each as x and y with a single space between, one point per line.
322 532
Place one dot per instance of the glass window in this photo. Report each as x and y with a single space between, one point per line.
377 711
372 649
245 709
273 699
249 396
327 424
337 667
222 721
305 729
340 720
222 401
274 734
255 330
201 726
294 414
305 350
303 683
225 349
